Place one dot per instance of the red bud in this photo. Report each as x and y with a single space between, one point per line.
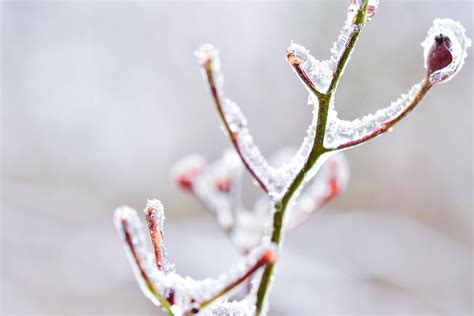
440 54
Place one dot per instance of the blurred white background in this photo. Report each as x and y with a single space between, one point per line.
99 98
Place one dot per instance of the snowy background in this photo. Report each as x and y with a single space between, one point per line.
100 98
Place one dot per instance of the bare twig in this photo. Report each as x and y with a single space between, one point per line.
386 126
149 284
206 63
266 258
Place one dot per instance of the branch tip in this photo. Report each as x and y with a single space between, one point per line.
292 59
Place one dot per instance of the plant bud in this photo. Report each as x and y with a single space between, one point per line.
440 55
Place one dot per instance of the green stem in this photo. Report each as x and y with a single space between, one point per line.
317 151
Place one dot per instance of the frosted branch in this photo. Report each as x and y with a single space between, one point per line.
217 184
161 284
341 134
272 180
458 45
330 181
445 50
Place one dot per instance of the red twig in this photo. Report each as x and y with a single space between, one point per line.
155 234
207 64
267 257
144 275
426 85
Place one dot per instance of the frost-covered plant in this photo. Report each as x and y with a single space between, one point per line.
218 187
259 233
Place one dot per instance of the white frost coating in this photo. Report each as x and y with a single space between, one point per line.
158 214
339 46
332 178
319 72
349 29
459 44
340 132
185 288
234 308
155 212
135 229
276 180
228 169
372 7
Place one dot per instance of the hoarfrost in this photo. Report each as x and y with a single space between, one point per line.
319 72
340 132
186 290
233 308
276 180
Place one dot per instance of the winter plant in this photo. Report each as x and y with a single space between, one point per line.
316 166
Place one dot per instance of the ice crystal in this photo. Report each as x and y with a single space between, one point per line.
340 132
233 308
319 72
456 34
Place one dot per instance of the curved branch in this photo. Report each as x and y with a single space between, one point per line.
374 125
210 65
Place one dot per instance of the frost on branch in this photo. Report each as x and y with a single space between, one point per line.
319 73
445 49
303 181
166 288
330 181
273 180
341 133
247 227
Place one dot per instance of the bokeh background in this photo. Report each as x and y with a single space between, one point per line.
99 98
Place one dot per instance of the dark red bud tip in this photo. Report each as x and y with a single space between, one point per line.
269 256
440 54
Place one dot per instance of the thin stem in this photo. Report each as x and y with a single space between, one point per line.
149 284
316 152
386 126
296 64
359 20
267 257
207 64
155 234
